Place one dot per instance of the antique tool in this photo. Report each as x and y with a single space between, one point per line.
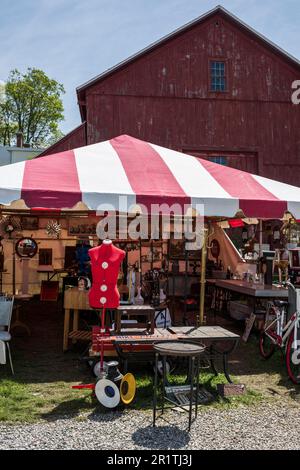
113 372
127 388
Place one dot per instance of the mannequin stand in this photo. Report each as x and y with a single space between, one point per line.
103 333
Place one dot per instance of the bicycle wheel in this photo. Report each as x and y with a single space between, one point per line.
266 346
292 359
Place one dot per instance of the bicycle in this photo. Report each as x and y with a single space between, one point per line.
283 333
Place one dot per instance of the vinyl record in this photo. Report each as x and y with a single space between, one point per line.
127 388
107 393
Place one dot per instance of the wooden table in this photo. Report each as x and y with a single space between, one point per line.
211 336
51 271
253 291
18 323
76 300
47 269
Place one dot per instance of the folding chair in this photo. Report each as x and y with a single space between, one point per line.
6 308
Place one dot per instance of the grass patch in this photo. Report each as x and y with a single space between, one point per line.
17 403
144 395
41 387
29 402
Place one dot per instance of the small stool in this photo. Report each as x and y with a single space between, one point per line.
186 349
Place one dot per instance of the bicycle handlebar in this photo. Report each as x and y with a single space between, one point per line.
289 284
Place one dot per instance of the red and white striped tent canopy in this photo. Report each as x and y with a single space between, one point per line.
126 171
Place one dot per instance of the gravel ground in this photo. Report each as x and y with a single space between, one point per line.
261 427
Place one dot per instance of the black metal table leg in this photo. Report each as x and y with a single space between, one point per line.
211 360
155 389
164 383
188 350
197 385
225 355
192 365
216 305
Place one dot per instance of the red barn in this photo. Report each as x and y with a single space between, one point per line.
213 88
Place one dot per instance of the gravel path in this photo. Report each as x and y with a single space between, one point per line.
261 427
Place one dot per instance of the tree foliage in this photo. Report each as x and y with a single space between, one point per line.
30 103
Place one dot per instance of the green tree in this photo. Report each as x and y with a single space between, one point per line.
30 103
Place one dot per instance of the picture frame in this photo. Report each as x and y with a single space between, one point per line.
177 251
30 222
82 226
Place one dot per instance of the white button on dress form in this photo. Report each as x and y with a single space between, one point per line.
104 265
103 300
103 288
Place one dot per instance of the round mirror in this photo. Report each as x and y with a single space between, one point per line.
26 247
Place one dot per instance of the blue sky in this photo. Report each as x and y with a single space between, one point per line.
74 40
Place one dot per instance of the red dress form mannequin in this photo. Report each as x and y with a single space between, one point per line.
105 264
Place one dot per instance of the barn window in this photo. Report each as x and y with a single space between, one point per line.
217 76
219 159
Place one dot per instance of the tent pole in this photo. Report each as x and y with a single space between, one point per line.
260 237
14 268
202 279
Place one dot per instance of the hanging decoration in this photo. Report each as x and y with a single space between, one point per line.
9 224
53 229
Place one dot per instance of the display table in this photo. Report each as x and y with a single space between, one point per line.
47 269
51 271
224 289
19 298
132 346
76 300
253 290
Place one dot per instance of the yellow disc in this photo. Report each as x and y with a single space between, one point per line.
127 388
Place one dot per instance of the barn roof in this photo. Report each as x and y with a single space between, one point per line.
217 10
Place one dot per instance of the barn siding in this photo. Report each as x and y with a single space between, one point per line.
74 139
163 96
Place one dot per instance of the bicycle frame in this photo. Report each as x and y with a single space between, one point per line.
283 331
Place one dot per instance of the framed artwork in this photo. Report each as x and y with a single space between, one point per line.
176 248
177 251
29 223
82 226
